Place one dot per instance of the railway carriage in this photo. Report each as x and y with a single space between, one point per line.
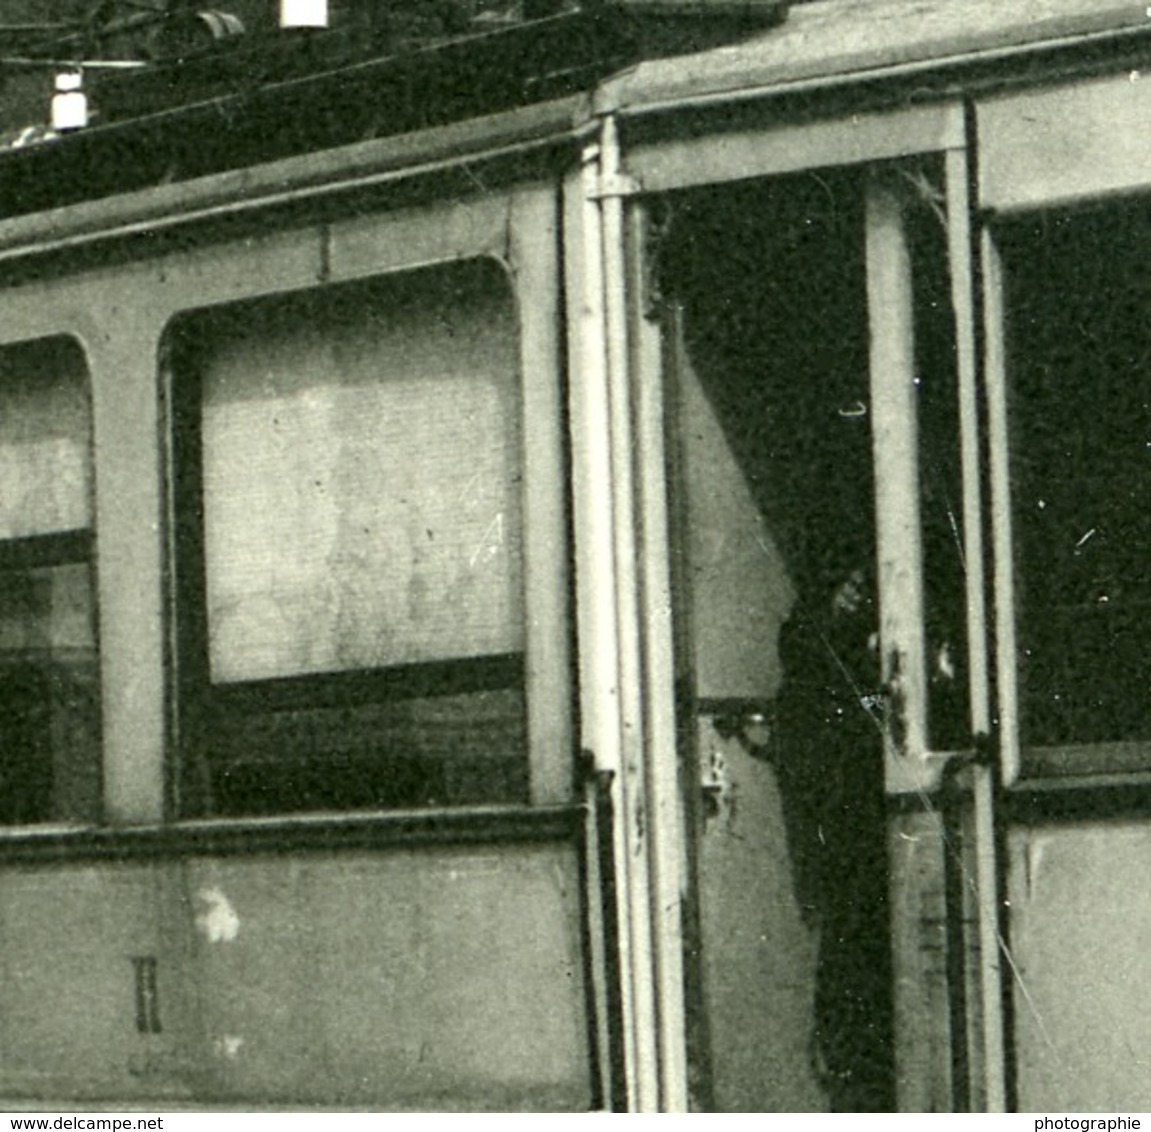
595 560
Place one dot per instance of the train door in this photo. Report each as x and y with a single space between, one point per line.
827 664
1064 179
795 358
778 659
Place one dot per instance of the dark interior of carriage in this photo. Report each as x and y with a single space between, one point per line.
1079 346
770 281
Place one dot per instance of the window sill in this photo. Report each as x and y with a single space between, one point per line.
399 829
1082 782
1069 765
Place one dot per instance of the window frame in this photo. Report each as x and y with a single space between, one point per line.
1096 127
65 546
202 699
516 230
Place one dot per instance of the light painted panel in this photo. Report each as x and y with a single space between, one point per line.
443 978
741 593
430 979
714 158
68 1017
45 439
760 957
362 479
1060 145
1080 922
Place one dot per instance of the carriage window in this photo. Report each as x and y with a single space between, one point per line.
49 674
1079 367
352 621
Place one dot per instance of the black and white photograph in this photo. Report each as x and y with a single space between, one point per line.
574 556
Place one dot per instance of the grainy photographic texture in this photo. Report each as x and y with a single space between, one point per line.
564 555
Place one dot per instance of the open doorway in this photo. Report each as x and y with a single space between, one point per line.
789 965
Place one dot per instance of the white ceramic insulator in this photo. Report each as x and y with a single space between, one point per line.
303 13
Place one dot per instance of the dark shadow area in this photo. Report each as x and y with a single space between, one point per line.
1079 349
771 281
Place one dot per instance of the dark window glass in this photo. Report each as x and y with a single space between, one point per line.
940 469
1079 370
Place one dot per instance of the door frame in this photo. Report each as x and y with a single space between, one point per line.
624 577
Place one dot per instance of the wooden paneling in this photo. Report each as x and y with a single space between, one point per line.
715 157
451 977
1082 994
1065 144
